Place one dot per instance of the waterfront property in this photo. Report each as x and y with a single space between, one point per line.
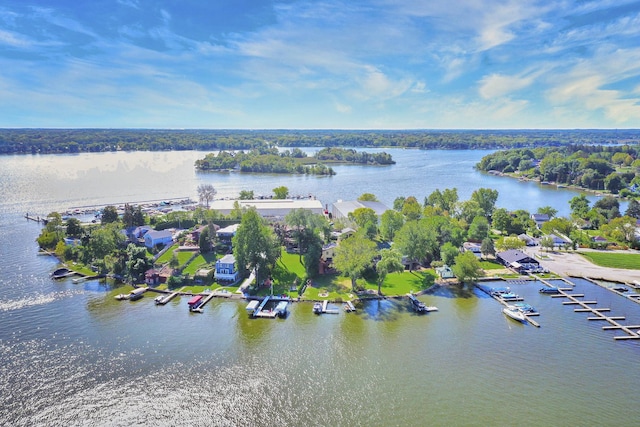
226 269
272 208
153 238
342 209
518 260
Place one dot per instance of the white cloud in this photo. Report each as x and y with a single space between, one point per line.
14 40
497 85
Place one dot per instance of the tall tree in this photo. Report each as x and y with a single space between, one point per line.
307 228
390 262
109 214
206 193
486 199
353 256
633 209
255 246
74 227
467 268
390 222
579 206
415 241
246 195
548 210
411 209
448 253
487 247
479 228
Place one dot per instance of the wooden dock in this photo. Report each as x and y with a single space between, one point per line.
327 310
598 315
208 298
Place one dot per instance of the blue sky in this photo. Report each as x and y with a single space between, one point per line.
376 64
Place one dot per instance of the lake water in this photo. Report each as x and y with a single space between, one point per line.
71 355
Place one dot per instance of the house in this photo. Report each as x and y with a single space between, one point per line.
226 269
518 260
153 238
473 247
343 234
540 219
195 234
328 251
560 242
445 272
528 240
226 234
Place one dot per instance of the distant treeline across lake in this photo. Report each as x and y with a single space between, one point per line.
51 141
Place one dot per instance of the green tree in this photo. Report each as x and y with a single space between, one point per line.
501 220
307 228
487 247
104 240
469 209
558 226
204 242
415 241
353 256
312 257
509 242
467 268
620 229
614 183
390 262
633 209
398 202
138 216
74 227
579 206
127 216
411 209
367 220
390 222
206 193
486 199
109 214
255 246
367 197
548 210
281 192
448 253
547 243
246 195
479 229
137 262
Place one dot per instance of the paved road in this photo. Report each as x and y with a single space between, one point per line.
573 264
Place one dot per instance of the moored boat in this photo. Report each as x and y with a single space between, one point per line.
317 308
514 314
549 290
121 297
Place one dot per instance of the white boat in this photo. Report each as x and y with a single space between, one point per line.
515 314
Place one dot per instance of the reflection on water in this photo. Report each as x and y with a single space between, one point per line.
72 355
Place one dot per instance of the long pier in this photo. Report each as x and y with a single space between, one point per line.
586 306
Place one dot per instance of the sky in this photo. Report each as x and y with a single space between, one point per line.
332 64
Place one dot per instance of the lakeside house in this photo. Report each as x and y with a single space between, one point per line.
473 247
153 238
226 269
518 261
540 219
226 234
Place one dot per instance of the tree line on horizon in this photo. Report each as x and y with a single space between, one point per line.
58 141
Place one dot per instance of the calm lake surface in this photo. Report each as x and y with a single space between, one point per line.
71 355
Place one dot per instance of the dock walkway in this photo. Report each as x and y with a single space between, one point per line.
586 306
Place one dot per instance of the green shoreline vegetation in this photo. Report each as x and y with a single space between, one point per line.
57 141
270 160
610 169
288 254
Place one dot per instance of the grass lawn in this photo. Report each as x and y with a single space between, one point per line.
80 268
199 262
166 257
184 256
491 265
613 260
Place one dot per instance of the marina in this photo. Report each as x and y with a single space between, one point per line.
586 307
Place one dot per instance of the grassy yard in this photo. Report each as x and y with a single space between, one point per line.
491 265
166 257
613 259
199 262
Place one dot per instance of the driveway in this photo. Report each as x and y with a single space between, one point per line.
573 264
